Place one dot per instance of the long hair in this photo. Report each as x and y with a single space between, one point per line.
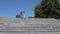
21 13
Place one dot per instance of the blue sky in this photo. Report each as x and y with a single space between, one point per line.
10 8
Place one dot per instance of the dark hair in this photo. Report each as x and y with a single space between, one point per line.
21 13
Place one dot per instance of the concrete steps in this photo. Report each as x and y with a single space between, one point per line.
29 25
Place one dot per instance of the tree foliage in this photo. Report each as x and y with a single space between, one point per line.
48 9
17 16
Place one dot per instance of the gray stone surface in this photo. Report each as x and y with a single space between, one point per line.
29 26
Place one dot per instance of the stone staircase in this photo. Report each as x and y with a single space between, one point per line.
30 25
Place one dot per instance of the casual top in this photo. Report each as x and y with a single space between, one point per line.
22 14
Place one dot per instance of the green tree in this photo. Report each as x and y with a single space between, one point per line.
17 16
48 9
